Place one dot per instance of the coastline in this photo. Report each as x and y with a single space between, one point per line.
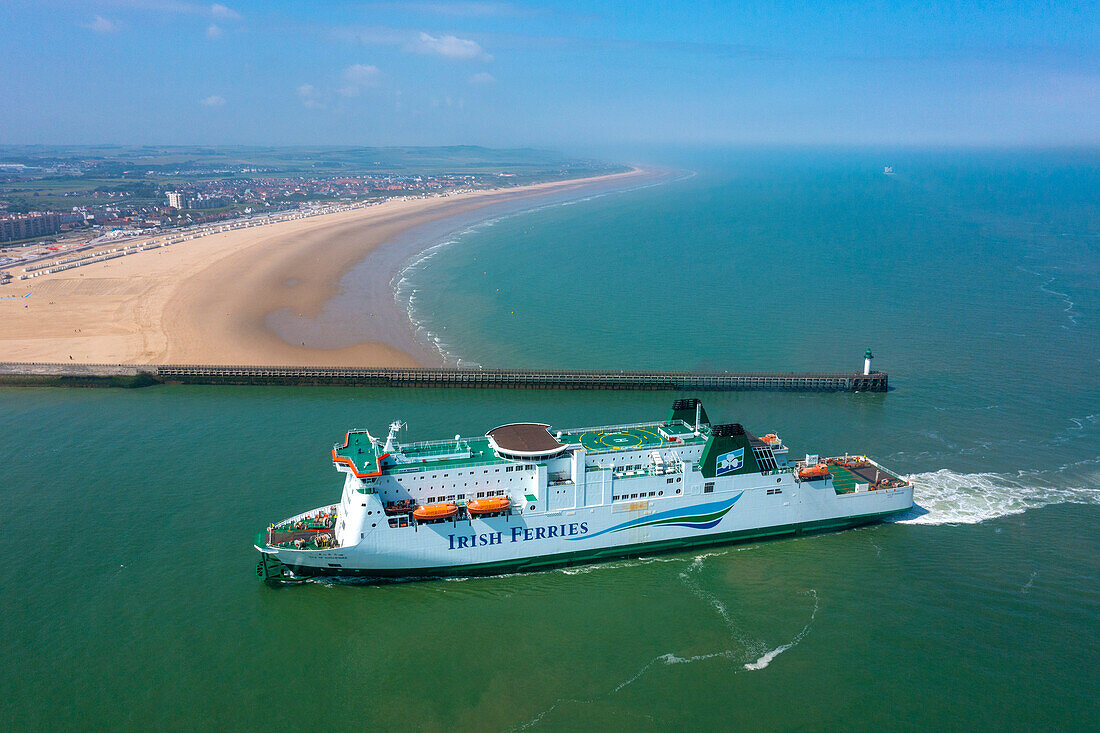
231 298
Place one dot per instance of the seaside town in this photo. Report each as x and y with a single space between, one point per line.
61 215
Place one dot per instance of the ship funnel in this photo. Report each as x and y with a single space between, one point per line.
391 439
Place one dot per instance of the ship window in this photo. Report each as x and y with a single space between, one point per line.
660 493
677 479
668 481
480 494
393 522
707 487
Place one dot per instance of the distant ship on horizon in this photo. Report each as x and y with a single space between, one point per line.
523 497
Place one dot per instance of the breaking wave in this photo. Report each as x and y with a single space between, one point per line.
946 497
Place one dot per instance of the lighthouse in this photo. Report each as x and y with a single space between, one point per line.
867 361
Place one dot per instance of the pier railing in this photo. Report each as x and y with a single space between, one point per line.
443 377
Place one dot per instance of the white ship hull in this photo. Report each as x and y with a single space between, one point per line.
535 535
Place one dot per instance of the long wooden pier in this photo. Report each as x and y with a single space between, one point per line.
141 375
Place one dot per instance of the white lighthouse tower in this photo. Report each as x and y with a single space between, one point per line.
867 361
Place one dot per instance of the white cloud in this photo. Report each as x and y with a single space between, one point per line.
213 32
220 11
482 77
309 96
217 10
450 47
214 100
357 78
102 25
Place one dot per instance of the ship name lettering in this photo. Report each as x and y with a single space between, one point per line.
458 542
518 534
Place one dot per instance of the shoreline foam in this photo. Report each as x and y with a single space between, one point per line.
209 301
405 289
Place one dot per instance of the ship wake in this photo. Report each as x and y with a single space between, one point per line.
750 654
947 497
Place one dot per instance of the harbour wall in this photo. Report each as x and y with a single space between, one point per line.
141 375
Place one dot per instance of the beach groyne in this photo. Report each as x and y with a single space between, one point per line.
139 375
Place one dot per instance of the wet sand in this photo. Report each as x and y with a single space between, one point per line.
212 300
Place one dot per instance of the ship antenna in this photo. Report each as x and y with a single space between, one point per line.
391 442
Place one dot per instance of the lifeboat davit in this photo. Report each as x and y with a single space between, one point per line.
433 512
491 505
809 473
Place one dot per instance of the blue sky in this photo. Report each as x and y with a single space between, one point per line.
563 74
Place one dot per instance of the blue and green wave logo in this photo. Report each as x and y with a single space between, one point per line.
703 516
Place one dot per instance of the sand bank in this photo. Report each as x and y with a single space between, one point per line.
210 300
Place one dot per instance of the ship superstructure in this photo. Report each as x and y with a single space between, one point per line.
527 496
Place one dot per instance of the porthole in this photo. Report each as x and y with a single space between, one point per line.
532 507
660 493
779 480
677 491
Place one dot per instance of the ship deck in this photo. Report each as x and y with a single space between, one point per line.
845 478
611 439
305 532
365 458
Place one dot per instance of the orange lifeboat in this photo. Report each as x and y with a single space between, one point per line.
770 439
810 473
491 505
434 512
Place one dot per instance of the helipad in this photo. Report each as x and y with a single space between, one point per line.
595 442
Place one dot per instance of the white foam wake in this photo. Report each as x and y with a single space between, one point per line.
767 657
737 655
1070 306
946 497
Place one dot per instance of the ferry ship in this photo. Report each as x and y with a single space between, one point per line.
526 496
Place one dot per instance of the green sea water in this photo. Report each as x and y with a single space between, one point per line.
127 594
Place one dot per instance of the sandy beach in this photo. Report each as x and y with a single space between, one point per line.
211 300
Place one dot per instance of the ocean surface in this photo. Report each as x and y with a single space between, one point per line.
128 597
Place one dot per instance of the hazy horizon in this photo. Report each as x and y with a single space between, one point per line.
553 75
